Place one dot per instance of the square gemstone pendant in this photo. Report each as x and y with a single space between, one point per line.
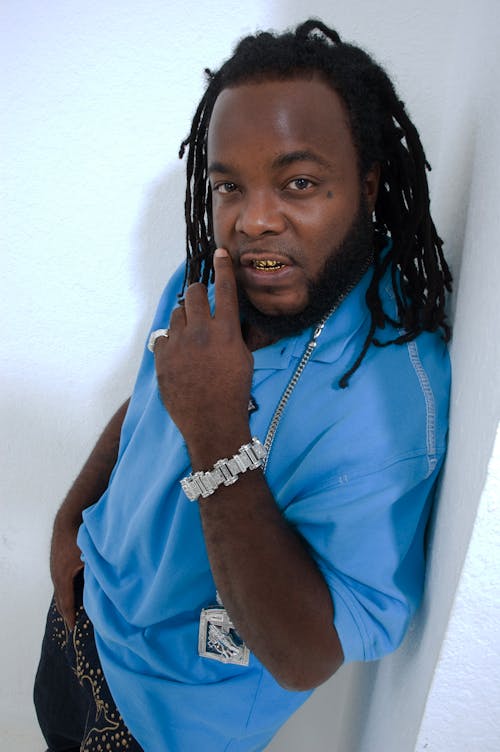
218 639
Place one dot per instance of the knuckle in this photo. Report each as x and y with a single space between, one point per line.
176 315
200 337
226 284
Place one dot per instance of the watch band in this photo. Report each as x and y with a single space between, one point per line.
225 471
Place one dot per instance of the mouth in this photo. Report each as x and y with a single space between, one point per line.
272 280
262 262
266 265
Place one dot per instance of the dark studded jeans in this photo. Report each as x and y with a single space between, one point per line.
72 699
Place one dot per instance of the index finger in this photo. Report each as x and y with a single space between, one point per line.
226 297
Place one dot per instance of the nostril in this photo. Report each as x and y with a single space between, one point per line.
260 218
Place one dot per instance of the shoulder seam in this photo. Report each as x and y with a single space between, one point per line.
430 404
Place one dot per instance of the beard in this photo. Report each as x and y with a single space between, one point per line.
341 272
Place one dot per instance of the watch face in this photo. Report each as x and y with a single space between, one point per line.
218 639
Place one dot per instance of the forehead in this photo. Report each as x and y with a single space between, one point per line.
280 116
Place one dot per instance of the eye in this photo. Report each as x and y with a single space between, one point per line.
300 184
225 187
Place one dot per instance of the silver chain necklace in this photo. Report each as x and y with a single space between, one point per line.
278 413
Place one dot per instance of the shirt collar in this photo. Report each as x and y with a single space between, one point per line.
343 324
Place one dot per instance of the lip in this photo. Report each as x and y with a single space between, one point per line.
252 278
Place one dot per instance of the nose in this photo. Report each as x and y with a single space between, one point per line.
260 214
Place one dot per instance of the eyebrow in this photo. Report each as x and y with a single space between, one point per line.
282 160
218 167
302 155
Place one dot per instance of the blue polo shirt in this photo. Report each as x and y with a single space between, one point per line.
353 470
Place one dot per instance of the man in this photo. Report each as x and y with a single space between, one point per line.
298 391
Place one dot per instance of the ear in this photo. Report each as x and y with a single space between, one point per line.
370 185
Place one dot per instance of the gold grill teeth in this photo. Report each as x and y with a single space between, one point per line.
267 264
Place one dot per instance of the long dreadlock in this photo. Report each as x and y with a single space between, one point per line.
382 132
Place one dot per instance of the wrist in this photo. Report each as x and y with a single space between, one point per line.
225 471
206 448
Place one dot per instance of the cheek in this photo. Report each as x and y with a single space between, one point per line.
221 223
325 222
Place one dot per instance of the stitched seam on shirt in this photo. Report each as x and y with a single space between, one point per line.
346 478
430 405
256 696
351 608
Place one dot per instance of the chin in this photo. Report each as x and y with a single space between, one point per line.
277 320
279 307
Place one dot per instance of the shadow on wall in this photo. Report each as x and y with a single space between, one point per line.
159 247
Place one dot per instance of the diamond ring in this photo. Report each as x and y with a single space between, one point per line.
154 336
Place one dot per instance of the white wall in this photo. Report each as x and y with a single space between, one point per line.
98 97
462 707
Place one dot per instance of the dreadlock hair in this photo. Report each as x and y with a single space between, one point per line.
382 133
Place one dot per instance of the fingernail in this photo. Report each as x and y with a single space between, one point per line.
220 252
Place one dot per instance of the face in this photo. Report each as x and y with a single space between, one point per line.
286 192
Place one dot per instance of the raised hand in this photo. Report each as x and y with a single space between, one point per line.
204 368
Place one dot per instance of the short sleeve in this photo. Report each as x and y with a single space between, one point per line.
366 536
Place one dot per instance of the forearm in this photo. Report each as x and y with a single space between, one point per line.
268 582
93 479
65 556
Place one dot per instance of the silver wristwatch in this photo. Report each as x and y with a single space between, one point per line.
225 471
